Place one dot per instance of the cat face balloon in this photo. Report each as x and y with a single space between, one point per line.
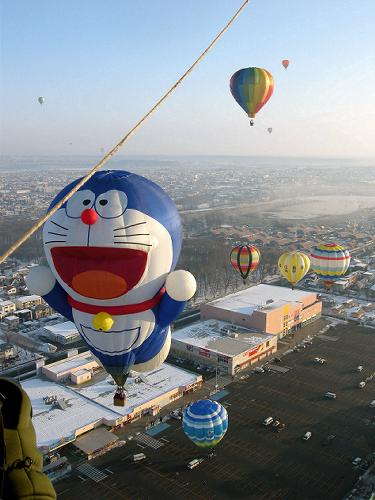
114 241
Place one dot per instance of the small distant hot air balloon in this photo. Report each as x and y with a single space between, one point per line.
330 261
205 422
251 88
285 63
41 100
269 130
245 259
294 266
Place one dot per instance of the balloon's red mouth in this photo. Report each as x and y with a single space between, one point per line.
99 272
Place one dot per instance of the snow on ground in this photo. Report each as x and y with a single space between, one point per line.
352 305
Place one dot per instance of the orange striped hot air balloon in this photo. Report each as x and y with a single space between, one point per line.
245 259
251 88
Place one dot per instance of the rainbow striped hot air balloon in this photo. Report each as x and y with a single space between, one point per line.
245 259
330 261
205 422
294 266
251 88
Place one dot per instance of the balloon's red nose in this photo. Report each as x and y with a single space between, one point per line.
89 216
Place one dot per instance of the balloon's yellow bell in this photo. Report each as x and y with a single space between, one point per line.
102 322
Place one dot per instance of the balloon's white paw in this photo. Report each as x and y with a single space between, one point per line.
180 285
40 280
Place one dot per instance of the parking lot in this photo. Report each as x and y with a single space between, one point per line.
254 461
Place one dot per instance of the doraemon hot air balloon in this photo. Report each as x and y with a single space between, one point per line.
251 88
330 261
111 251
205 422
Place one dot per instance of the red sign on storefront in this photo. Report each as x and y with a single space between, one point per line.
204 352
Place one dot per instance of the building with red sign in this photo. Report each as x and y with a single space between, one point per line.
266 308
222 345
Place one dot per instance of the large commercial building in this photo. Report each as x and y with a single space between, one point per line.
266 308
62 412
222 345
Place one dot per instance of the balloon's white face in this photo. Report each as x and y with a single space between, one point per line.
101 252
128 331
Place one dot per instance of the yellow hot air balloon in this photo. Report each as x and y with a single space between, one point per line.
294 266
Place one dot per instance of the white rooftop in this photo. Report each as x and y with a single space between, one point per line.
66 329
52 424
68 364
4 303
153 385
212 335
248 300
28 298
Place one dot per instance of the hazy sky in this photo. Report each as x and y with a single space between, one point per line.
102 64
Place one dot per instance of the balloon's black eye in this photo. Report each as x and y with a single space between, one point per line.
86 202
103 202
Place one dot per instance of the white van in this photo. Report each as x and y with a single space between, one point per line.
307 436
194 463
330 395
268 421
138 457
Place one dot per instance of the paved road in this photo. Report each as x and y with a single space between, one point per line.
252 461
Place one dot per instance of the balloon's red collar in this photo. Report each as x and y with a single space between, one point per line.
117 310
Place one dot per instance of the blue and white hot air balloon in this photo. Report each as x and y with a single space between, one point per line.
111 250
205 422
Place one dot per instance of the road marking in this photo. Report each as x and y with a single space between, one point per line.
65 491
148 441
92 472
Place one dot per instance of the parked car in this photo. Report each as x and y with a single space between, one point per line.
258 369
357 461
361 385
330 395
194 463
280 428
268 421
276 423
322 361
372 404
277 360
307 436
359 368
138 457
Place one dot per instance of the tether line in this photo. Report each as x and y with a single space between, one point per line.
114 150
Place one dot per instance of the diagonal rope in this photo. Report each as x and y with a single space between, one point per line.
114 150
